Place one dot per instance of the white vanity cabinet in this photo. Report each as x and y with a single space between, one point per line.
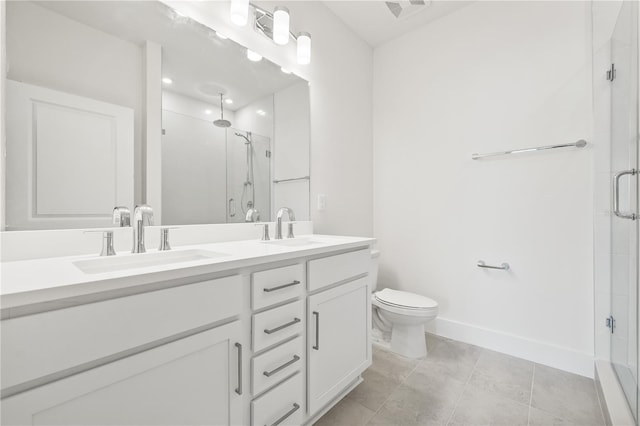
339 325
193 380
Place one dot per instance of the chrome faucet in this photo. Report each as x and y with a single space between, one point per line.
142 215
121 216
253 215
279 215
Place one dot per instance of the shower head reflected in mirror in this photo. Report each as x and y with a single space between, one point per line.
221 122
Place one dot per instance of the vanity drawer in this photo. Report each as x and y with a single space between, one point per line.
283 405
277 285
37 345
330 270
276 325
278 363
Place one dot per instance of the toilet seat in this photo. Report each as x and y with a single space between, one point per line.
404 299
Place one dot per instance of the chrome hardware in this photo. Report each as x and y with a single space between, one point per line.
505 266
232 207
253 215
121 216
239 388
142 215
283 326
280 287
289 413
317 345
265 231
279 215
290 233
295 359
291 179
616 194
107 242
579 144
164 238
611 323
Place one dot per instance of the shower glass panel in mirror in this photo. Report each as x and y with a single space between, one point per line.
81 77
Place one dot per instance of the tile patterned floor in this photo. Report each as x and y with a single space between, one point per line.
461 384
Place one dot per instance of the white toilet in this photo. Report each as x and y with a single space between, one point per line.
403 314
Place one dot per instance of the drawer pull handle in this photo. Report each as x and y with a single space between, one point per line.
317 345
283 418
280 287
239 388
282 367
289 324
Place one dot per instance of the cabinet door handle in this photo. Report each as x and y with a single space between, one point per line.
289 324
239 388
282 367
280 287
283 418
317 345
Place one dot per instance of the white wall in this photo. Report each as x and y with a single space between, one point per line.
50 50
340 91
493 76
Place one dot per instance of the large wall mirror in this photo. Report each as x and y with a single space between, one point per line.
235 132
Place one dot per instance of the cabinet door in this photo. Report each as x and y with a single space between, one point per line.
338 339
189 381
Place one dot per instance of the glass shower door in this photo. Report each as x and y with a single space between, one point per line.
624 221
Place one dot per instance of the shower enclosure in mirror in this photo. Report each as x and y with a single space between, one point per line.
624 220
83 86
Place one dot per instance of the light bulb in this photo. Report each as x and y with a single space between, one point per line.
253 56
304 48
239 12
281 25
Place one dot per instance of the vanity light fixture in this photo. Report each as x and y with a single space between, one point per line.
253 56
167 80
239 12
274 26
281 25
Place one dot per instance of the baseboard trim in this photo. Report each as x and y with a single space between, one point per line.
532 350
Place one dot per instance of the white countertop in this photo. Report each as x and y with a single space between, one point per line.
57 282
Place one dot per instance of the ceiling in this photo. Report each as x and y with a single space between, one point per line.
373 22
199 63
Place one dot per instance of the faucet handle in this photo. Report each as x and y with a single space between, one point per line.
107 241
164 238
290 233
265 231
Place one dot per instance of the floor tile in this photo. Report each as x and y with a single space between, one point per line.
374 390
477 407
566 396
346 413
542 418
391 365
503 375
420 400
451 358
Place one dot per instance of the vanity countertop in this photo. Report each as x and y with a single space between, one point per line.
53 283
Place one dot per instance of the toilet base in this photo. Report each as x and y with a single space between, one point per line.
409 340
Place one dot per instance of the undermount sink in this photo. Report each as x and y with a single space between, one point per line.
293 242
133 261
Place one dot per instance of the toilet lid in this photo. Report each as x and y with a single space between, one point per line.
405 299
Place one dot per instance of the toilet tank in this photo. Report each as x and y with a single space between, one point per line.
373 272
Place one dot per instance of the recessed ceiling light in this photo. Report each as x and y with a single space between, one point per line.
221 36
284 70
228 101
167 80
253 56
261 112
207 111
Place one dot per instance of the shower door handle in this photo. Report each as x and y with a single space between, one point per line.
616 194
232 207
